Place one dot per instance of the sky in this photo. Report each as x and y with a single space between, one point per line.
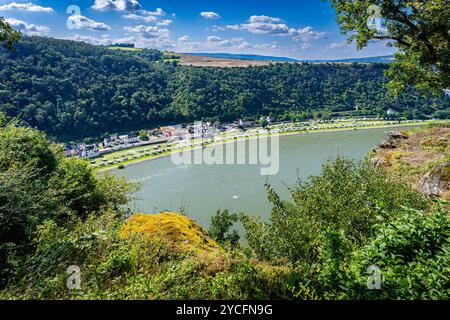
301 29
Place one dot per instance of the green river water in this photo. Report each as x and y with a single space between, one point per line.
200 190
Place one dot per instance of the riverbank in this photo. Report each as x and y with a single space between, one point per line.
144 154
421 157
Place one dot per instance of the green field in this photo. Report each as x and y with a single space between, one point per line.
125 49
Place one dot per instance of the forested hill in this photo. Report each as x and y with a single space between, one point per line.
73 90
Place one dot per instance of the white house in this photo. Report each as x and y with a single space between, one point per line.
108 141
129 139
90 151
133 138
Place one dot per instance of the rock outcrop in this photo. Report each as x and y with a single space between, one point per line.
412 154
436 182
176 231
392 140
395 135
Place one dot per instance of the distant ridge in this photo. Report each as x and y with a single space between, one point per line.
381 59
243 57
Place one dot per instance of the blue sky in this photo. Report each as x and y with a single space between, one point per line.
304 29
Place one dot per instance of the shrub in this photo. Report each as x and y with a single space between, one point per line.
38 184
347 197
220 228
413 254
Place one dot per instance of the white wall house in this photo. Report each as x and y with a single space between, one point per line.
108 141
129 138
90 151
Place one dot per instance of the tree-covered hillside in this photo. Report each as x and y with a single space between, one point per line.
73 90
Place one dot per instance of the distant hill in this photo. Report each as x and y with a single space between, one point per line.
243 57
74 90
381 59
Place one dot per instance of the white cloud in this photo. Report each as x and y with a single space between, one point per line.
266 25
339 45
237 44
306 34
158 12
164 23
104 40
140 41
336 45
116 5
155 36
306 46
264 19
276 27
148 19
234 27
210 15
149 16
27 28
81 22
31 7
215 41
184 39
149 32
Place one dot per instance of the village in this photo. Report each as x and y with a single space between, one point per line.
117 150
174 134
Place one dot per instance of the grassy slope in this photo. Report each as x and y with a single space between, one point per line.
125 49
425 149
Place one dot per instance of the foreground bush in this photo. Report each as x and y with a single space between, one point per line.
38 184
413 254
137 267
347 197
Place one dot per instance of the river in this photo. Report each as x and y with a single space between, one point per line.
200 190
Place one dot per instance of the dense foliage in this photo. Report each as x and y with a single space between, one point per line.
412 253
349 198
8 36
72 90
221 224
346 223
38 184
419 29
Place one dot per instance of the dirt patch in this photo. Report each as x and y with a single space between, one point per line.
188 60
